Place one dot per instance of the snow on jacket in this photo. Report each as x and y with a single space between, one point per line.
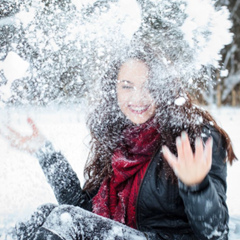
165 210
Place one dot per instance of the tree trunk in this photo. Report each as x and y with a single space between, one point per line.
234 102
219 95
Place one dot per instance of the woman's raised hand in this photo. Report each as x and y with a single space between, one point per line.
191 168
29 143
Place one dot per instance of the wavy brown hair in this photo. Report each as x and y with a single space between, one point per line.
106 122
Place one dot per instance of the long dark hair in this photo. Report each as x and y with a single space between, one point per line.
106 122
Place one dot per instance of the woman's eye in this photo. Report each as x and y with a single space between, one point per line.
127 87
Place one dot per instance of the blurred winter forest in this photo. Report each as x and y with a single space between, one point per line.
62 78
229 86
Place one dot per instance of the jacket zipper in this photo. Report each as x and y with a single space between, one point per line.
140 188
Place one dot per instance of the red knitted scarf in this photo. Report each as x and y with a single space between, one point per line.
117 196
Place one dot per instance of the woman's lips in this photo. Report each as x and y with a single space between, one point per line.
138 109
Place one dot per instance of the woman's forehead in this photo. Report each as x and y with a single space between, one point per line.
133 70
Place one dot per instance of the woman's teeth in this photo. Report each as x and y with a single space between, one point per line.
139 109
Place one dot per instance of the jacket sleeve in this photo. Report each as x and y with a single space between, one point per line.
62 178
205 204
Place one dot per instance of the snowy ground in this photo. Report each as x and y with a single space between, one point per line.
22 183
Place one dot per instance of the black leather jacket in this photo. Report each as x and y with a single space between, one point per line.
164 210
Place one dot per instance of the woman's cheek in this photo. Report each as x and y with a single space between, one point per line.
123 98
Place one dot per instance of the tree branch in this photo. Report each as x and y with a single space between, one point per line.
228 55
235 8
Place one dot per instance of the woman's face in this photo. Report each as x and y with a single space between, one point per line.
133 97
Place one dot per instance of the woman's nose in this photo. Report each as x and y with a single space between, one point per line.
139 94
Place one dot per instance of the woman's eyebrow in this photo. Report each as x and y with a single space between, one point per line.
126 81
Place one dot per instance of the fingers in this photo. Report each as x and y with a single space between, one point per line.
171 158
190 168
30 121
184 151
198 148
179 148
13 132
186 147
202 153
33 125
15 138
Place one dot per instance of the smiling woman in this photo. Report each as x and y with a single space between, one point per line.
156 169
134 98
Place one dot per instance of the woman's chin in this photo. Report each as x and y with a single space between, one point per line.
139 119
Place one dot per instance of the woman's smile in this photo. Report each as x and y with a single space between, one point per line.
138 109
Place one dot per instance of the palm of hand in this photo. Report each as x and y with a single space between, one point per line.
191 168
